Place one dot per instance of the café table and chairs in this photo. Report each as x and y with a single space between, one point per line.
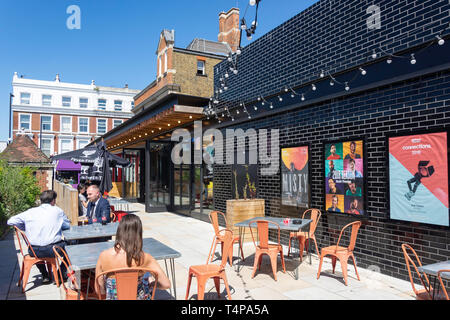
85 256
437 271
287 224
413 263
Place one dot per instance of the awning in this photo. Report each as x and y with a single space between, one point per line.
67 165
159 125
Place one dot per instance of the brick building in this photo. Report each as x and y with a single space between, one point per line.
60 116
23 152
330 74
183 85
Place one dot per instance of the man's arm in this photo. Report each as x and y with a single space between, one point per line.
66 221
18 221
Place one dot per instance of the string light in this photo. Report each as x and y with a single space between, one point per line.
285 89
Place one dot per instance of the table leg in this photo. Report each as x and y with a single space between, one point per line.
434 286
172 276
241 238
309 247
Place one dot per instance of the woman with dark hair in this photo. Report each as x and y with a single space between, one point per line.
82 201
127 252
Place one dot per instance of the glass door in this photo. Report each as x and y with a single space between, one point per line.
160 176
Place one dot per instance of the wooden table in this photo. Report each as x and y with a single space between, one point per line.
304 223
85 256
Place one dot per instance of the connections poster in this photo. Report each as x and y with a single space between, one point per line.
418 178
344 177
295 176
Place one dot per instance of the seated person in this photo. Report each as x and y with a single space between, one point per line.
82 200
43 227
98 209
127 252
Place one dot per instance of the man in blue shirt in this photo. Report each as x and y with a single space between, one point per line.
43 227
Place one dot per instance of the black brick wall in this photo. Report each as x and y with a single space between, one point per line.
332 35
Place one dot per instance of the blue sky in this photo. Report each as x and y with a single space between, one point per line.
117 40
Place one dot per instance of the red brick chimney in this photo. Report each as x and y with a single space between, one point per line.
229 30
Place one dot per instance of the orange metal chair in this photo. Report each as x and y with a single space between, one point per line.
264 247
214 218
126 282
29 261
70 293
442 283
342 253
207 271
427 292
302 236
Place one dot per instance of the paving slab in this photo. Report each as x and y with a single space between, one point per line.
192 238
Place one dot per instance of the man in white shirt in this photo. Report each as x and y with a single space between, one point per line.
43 227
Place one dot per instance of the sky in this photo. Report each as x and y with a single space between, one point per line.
117 39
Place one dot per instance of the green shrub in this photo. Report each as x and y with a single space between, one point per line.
19 190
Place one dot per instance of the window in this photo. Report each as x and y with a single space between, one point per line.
101 125
66 124
159 66
24 121
117 122
25 98
200 67
165 61
83 143
46 100
66 145
83 103
66 101
117 105
46 123
83 125
101 104
46 146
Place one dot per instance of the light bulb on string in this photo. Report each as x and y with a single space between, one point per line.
413 59
331 82
363 72
235 71
440 40
374 54
255 107
303 97
322 74
280 98
347 87
389 60
313 87
252 2
271 105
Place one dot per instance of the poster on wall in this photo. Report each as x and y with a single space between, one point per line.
295 177
345 177
418 178
244 181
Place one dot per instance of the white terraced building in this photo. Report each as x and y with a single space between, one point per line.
61 117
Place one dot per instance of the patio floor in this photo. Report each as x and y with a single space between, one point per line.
192 238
